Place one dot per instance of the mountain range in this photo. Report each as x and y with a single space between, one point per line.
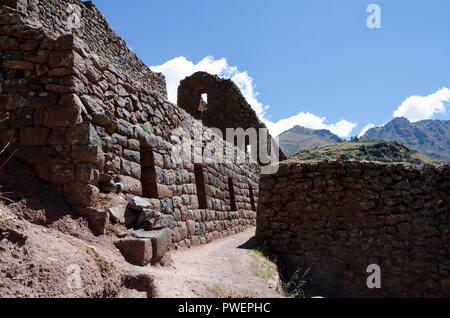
430 137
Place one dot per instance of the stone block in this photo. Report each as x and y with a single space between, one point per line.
88 153
21 118
39 56
59 154
83 134
18 65
57 136
9 43
61 116
42 99
164 191
81 194
13 55
69 42
87 173
99 219
61 173
131 185
65 59
117 214
160 239
154 220
140 251
15 101
33 136
33 155
61 72
30 45
137 203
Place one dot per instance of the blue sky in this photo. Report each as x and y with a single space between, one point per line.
309 62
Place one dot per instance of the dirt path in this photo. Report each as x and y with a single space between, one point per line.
223 268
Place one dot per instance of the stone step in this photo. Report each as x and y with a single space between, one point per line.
146 246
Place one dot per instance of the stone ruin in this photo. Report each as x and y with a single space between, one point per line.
82 109
92 119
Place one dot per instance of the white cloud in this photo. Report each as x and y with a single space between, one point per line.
342 128
417 108
365 129
178 68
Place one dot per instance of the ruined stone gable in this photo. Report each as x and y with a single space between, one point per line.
224 108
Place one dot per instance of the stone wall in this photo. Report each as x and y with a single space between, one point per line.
338 218
96 36
90 117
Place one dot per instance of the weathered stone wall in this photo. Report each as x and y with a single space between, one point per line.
96 36
91 117
338 218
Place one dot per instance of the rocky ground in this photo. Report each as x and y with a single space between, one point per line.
47 250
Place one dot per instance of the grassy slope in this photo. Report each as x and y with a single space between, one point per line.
369 149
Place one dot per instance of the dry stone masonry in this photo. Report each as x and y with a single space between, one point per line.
90 117
337 218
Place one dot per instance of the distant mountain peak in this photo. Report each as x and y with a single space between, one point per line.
299 137
400 119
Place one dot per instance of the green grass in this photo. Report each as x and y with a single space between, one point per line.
262 251
266 267
146 129
268 270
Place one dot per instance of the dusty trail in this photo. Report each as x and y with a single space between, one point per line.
223 268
